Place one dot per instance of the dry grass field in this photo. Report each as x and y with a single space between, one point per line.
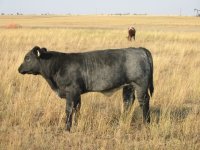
33 117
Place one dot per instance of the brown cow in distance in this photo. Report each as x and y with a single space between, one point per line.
131 33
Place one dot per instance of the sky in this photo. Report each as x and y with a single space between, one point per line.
150 7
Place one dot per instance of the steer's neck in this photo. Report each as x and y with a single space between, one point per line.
49 66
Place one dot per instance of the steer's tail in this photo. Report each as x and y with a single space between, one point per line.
151 86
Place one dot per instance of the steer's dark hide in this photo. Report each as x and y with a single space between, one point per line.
73 74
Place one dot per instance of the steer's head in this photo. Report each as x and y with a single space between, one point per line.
31 64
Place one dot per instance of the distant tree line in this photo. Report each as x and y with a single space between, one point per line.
124 14
45 14
11 14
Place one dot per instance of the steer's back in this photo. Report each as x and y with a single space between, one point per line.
109 69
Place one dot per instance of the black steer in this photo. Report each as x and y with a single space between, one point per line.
72 74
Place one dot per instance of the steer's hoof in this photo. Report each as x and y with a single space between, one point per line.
68 127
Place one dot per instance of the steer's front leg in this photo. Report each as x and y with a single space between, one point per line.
71 100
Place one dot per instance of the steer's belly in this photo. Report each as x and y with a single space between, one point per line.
110 92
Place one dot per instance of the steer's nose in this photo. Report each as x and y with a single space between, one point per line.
20 69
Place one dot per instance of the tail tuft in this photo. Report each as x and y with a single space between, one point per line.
151 89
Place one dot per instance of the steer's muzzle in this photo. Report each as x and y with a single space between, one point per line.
20 69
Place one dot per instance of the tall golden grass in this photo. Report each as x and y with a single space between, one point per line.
33 117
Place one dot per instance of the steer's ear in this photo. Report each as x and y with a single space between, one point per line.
39 51
36 51
43 50
35 48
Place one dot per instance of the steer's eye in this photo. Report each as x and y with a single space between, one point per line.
27 59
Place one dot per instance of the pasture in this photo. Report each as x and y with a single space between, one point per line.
32 116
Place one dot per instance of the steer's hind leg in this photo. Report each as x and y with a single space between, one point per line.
77 106
143 98
128 97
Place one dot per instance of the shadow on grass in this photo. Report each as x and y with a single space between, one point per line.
174 113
